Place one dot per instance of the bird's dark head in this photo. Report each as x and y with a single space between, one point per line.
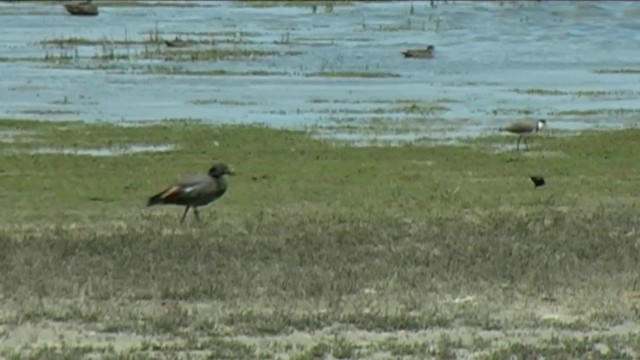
430 48
219 170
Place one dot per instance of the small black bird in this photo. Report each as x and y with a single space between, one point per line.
537 181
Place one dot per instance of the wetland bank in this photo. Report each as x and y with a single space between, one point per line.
436 247
298 260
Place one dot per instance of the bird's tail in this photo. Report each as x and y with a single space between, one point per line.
165 196
156 199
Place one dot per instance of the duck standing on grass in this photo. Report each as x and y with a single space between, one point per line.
194 190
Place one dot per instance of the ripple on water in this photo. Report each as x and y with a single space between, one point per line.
483 51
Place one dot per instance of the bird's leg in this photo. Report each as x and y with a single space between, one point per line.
184 215
518 143
196 213
526 144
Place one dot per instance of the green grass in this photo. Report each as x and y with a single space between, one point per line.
317 249
608 347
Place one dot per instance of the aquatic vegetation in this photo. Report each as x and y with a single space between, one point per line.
355 74
178 70
585 93
593 112
170 4
214 54
22 58
77 41
48 112
328 5
375 101
421 108
508 111
221 102
539 92
617 71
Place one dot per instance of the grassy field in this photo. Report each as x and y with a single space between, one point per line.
318 250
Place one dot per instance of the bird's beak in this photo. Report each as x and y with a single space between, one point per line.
231 172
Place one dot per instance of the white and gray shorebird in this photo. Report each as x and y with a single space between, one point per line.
524 129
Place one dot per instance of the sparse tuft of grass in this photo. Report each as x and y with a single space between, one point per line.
617 71
539 92
48 112
517 112
355 74
176 70
50 59
581 93
297 3
371 101
221 102
421 108
77 41
583 347
169 4
593 112
214 54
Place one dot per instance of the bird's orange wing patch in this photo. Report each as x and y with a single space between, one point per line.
174 191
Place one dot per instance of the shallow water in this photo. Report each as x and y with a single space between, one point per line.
484 51
133 149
